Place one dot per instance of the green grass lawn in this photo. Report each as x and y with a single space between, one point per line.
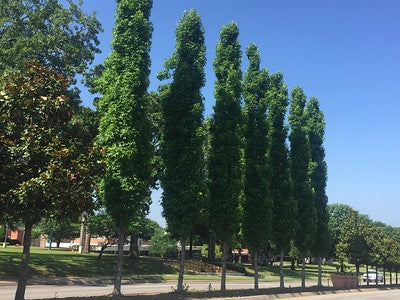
272 273
58 263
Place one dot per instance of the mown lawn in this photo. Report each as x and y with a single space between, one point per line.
272 273
58 263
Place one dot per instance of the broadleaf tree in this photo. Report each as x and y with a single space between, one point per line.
224 164
125 127
318 176
300 161
183 180
48 166
60 37
257 204
284 206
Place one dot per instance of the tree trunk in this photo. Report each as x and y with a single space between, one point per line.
303 272
341 267
133 247
256 270
390 272
191 247
86 248
281 276
366 270
292 264
376 275
384 275
396 278
82 234
5 237
240 256
50 239
181 266
23 275
103 248
357 272
224 259
118 275
58 243
319 271
211 247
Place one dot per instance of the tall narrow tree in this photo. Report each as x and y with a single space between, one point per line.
125 129
318 174
224 161
257 199
300 159
284 206
182 137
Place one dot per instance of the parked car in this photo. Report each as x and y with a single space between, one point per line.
372 276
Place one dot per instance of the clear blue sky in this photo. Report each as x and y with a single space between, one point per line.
344 52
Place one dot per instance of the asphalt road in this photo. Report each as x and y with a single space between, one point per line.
367 295
7 291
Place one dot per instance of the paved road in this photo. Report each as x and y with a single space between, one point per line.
59 291
7 291
367 295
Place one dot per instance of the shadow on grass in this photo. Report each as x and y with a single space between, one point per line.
55 263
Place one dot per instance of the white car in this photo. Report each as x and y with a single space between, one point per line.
372 276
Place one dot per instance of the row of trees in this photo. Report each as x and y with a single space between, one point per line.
360 241
233 172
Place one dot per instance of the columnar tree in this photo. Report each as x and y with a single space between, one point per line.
224 164
318 175
257 204
181 151
211 234
46 166
284 206
300 158
125 128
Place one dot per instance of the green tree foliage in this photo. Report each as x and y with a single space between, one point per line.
182 138
162 244
58 229
143 228
318 175
300 160
353 239
125 128
337 214
46 168
392 232
62 38
224 164
284 206
257 200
